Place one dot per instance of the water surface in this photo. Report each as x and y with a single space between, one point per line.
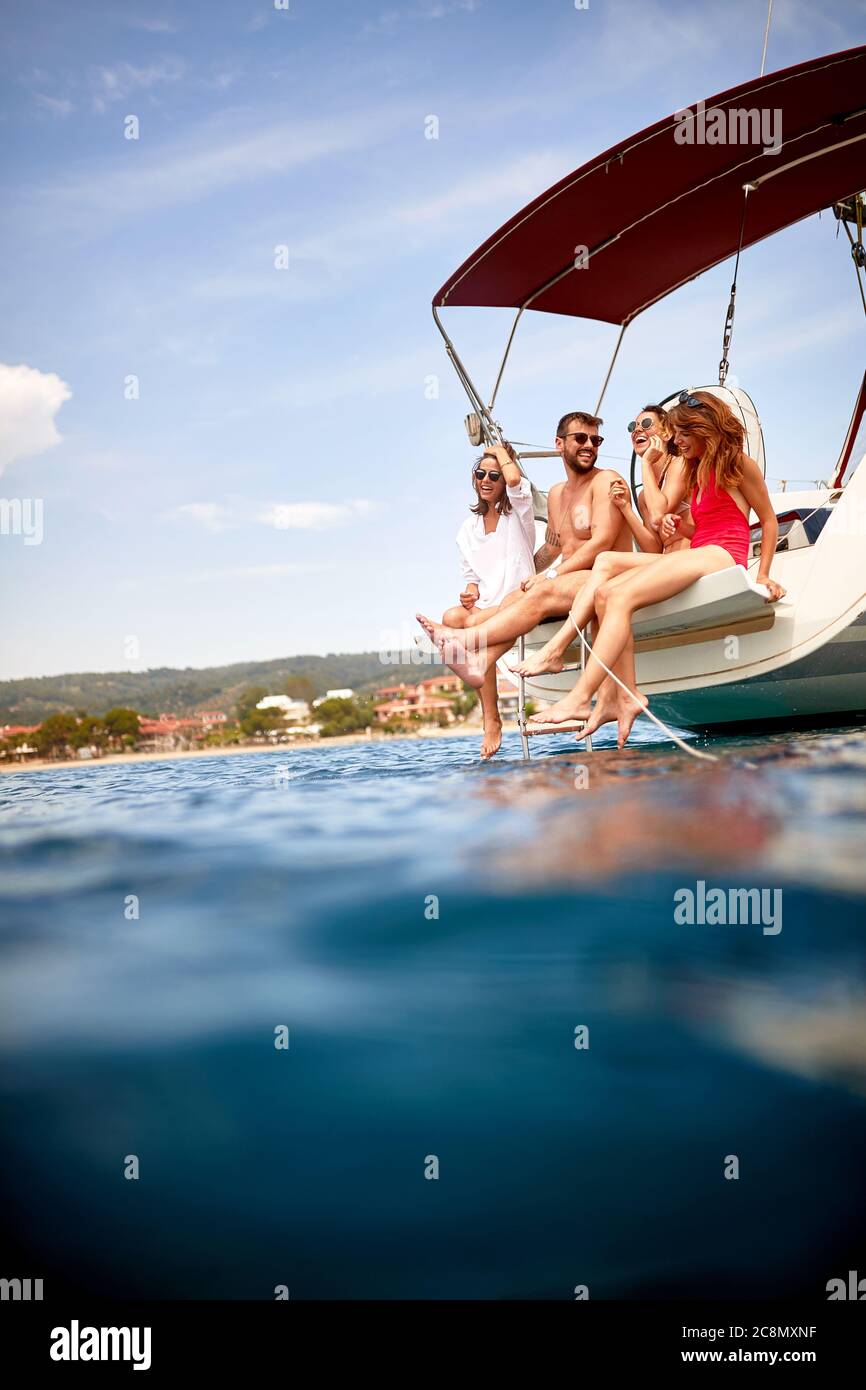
431 932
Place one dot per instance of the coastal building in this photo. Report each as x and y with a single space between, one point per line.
428 700
22 750
445 684
295 710
393 692
334 695
416 707
506 691
168 733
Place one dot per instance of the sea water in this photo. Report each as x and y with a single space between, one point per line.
381 1021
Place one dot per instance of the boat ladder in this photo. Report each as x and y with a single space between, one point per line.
526 730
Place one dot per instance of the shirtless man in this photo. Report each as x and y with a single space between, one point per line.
583 521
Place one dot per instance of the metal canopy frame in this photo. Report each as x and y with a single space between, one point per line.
490 429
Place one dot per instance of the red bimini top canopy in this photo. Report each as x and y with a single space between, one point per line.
661 208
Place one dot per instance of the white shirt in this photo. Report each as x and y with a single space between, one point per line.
499 561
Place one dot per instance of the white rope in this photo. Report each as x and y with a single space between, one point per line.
766 35
695 752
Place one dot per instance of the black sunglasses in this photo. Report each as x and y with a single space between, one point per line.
596 440
645 424
492 473
692 401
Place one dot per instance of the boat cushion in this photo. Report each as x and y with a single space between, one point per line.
726 596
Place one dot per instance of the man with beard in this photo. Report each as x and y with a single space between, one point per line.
582 521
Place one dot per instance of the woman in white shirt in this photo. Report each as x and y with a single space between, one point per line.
496 546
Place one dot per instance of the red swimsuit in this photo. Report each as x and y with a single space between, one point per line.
719 521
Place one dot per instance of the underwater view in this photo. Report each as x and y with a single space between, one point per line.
384 1022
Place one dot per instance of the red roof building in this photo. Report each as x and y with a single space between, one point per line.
392 690
423 708
451 685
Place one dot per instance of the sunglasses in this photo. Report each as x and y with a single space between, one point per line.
644 424
492 473
692 401
595 439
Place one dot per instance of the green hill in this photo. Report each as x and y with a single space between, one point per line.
182 691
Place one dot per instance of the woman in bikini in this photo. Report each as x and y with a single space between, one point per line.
722 484
661 472
662 477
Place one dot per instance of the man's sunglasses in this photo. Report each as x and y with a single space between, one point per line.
492 473
596 440
644 424
692 401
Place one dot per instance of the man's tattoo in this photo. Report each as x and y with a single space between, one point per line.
545 557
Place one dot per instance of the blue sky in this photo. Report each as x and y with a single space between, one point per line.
284 483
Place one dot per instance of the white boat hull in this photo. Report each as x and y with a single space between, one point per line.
718 655
827 685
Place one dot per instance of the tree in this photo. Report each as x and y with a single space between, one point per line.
300 688
121 723
89 729
55 734
464 703
247 701
340 716
260 721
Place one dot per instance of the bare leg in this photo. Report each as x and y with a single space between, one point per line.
613 704
461 618
471 652
624 596
551 657
492 740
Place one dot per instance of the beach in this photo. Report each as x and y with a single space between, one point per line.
186 754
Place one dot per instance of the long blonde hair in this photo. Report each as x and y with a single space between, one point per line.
722 433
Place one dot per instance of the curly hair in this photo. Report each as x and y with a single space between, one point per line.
722 435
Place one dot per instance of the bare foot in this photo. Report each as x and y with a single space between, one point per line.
470 666
603 712
565 711
619 709
492 739
628 713
548 660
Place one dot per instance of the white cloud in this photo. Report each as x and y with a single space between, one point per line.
121 81
521 180
58 106
440 9
29 401
211 516
313 516
211 160
217 517
278 571
387 21
152 26
323 261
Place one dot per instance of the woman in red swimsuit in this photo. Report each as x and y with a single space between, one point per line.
723 484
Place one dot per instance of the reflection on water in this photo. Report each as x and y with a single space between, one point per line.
432 931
